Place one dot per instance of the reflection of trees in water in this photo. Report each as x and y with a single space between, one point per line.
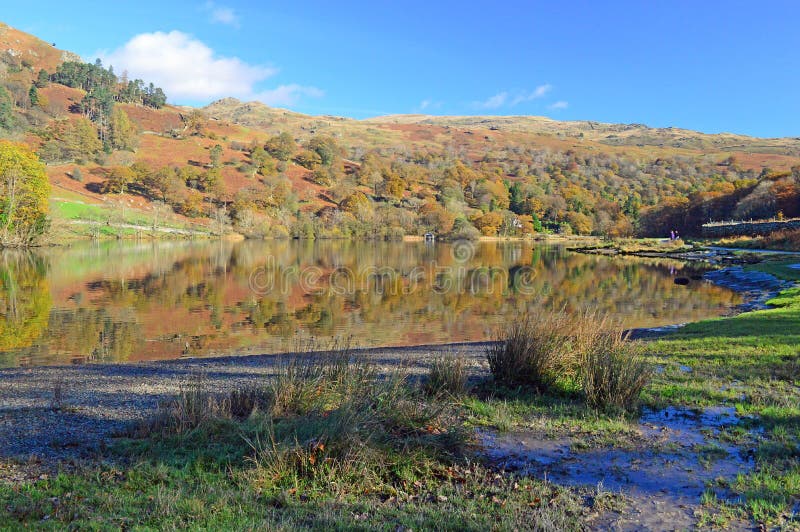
199 295
95 335
24 300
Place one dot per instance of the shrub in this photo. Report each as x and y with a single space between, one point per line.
531 351
448 374
613 374
538 351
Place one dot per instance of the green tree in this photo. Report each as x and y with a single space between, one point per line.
24 189
33 96
6 109
282 146
42 79
216 156
326 147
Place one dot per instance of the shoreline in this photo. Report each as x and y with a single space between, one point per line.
56 413
73 411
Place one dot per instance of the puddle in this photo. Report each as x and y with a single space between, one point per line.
756 287
664 478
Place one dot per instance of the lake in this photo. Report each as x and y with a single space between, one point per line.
134 301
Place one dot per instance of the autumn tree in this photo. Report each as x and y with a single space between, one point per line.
282 146
118 180
62 143
489 224
122 132
434 217
392 186
326 147
263 163
24 189
308 159
195 122
355 203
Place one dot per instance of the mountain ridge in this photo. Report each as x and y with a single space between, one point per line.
275 172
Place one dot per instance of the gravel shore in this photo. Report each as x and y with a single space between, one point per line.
61 413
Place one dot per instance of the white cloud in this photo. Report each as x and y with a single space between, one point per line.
428 105
511 99
188 69
535 94
287 95
498 100
561 104
222 14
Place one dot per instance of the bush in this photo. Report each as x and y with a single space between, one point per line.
613 375
586 348
448 374
531 351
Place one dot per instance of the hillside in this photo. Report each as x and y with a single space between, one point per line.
116 153
610 134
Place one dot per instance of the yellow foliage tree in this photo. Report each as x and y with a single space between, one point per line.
489 224
24 189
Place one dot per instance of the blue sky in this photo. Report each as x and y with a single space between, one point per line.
701 64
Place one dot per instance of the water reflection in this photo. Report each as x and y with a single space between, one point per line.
142 301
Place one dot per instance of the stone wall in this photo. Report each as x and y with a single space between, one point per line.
748 228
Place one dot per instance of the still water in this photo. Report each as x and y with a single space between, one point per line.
119 302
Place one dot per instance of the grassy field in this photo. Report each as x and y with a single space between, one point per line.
336 446
751 362
74 219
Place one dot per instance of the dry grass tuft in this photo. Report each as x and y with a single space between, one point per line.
613 374
587 348
447 375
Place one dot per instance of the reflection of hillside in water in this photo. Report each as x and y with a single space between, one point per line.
164 300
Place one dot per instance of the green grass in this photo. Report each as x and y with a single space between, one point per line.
508 410
779 267
104 221
79 211
752 362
